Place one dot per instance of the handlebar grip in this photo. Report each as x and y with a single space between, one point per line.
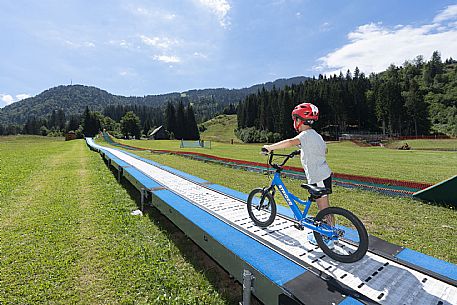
264 151
296 152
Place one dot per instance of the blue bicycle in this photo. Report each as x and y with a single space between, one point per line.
337 231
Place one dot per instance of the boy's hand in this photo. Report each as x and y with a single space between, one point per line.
267 147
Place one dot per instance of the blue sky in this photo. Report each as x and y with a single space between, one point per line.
138 47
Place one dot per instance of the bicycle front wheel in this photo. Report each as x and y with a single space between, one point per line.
261 207
350 241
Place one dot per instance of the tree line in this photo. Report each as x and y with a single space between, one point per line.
56 124
417 98
120 120
73 99
140 120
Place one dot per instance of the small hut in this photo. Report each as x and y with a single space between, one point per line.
71 135
158 134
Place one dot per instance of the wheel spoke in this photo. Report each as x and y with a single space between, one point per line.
352 239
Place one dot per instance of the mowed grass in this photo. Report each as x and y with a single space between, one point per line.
221 129
430 144
343 157
419 226
67 236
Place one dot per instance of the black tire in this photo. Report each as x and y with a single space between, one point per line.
263 215
347 249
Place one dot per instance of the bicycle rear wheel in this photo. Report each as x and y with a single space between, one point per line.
350 242
261 207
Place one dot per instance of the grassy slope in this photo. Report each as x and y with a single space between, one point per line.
67 236
221 129
344 157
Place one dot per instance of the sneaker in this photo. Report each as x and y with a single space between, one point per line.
312 241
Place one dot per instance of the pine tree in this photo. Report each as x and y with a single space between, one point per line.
52 122
130 125
240 115
147 127
192 128
170 119
416 108
73 123
181 121
86 123
90 123
60 119
32 126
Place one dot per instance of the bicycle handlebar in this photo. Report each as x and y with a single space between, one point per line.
287 157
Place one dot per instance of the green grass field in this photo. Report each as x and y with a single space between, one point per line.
440 144
67 236
344 157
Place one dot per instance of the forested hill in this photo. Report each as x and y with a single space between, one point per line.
73 100
417 98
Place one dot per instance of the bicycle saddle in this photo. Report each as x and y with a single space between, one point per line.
316 191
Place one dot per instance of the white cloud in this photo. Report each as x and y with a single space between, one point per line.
121 43
7 99
77 45
167 58
373 47
159 42
152 13
22 96
127 72
200 55
325 27
448 13
220 8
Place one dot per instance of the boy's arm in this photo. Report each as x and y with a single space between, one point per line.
283 144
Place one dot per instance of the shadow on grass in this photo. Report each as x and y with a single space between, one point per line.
228 288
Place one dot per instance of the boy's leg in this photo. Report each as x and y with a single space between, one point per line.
323 203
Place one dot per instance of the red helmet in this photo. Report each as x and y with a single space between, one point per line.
306 113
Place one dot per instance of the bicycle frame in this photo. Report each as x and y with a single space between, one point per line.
292 200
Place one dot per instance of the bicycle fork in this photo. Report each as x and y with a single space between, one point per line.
265 191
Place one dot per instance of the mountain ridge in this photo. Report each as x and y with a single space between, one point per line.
74 98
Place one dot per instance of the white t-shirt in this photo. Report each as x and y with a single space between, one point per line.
312 156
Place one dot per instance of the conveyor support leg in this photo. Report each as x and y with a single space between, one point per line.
119 174
247 287
142 193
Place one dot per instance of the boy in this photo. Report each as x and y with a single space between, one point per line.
313 150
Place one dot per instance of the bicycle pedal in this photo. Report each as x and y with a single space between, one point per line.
299 226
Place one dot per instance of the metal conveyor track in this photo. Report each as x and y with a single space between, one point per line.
380 279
